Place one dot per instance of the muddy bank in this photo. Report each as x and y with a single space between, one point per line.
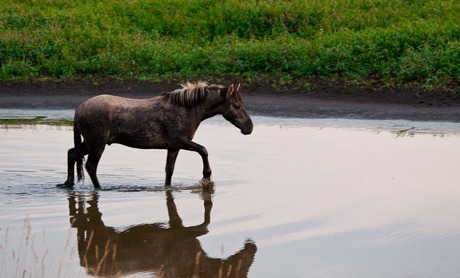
322 100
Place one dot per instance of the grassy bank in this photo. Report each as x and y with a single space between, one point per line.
394 41
37 120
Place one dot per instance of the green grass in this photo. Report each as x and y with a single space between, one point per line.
38 120
397 41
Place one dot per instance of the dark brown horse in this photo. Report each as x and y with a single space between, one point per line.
168 121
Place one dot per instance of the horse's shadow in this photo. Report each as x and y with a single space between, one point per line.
167 249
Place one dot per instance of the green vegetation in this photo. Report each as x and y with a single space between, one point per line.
38 120
394 41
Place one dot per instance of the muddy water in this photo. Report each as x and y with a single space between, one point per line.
297 198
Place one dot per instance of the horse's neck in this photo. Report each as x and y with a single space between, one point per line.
211 107
198 113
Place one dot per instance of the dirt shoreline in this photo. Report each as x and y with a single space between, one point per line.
321 101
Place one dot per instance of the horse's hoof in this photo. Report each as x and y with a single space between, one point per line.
207 183
66 184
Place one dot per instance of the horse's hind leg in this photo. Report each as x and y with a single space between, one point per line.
72 156
94 155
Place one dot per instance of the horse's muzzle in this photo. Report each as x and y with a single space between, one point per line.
247 129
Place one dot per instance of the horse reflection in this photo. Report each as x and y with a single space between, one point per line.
167 250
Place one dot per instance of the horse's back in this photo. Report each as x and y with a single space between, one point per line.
96 110
103 106
102 102
112 119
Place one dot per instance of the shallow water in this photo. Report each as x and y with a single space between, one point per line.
297 198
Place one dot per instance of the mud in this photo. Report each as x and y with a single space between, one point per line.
320 100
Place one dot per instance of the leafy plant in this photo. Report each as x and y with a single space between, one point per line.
400 41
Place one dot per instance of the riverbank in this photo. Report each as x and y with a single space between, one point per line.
320 100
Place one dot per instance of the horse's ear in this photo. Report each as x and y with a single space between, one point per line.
238 88
230 90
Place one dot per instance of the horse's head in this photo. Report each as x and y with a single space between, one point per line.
234 112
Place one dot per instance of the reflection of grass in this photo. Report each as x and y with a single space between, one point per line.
26 259
15 262
42 120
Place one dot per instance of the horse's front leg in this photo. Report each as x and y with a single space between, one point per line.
170 162
192 146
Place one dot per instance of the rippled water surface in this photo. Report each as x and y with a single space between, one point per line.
297 198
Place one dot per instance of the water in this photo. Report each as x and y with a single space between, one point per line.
297 198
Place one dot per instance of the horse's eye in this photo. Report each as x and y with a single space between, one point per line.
236 105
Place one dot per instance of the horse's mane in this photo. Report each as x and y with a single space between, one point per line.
192 93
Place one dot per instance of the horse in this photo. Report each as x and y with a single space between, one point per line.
167 121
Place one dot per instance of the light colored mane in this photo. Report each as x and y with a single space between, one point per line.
192 93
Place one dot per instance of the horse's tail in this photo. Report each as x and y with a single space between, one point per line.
79 148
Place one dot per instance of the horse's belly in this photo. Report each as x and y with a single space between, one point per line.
146 141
